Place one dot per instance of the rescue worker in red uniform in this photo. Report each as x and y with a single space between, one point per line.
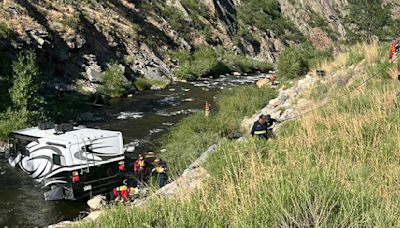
125 192
140 168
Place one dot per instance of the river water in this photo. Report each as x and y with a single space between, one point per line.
142 120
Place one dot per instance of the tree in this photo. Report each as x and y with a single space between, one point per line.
24 92
368 18
113 81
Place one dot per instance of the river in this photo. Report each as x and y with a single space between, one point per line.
142 120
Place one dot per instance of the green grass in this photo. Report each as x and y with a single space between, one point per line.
196 133
335 167
145 83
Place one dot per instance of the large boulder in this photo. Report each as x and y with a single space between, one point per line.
97 202
263 82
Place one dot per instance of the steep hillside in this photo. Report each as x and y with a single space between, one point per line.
86 35
336 166
75 40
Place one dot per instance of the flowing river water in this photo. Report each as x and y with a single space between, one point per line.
142 120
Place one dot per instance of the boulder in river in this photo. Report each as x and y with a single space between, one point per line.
236 73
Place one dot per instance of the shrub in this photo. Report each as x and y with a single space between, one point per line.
113 81
293 63
12 120
145 83
367 19
241 63
267 15
4 31
206 61
24 92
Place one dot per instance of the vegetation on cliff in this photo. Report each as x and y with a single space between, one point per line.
208 61
369 19
336 166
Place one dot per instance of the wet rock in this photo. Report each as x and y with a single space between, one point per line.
3 147
130 92
62 224
236 73
241 139
89 117
97 202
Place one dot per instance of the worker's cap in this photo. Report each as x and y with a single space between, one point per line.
156 160
265 117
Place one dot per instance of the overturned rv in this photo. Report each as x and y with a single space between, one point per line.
73 163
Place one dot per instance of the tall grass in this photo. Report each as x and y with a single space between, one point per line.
336 167
196 133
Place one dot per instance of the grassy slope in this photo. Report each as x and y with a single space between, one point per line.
335 167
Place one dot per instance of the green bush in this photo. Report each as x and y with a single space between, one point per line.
266 15
244 64
295 62
113 84
145 83
24 92
206 61
12 120
366 19
4 31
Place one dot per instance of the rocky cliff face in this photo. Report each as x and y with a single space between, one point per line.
75 40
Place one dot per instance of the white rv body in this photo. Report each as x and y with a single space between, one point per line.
49 158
